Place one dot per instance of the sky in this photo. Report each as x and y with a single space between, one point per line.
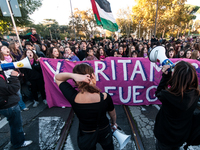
60 10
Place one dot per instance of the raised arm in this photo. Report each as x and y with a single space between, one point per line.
10 88
62 77
165 78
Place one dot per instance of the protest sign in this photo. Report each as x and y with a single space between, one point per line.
129 81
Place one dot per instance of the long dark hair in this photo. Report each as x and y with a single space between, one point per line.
14 50
98 52
50 53
35 57
184 78
2 56
82 86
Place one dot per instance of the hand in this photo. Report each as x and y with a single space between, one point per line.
74 61
67 59
82 78
93 79
39 59
14 73
165 68
114 126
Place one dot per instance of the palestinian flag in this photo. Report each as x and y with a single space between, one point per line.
103 15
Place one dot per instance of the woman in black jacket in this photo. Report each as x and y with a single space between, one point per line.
179 94
10 109
34 76
87 103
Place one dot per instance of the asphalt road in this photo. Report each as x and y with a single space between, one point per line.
43 125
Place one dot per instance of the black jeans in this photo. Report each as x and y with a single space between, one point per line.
105 139
162 146
35 85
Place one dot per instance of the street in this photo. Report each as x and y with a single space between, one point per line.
44 125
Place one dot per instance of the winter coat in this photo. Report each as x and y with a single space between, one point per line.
8 91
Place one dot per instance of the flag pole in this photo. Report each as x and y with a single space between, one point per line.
13 21
73 19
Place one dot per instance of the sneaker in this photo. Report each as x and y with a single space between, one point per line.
26 109
35 103
45 101
26 143
190 148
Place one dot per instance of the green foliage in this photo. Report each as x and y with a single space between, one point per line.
174 16
85 23
27 7
50 27
125 22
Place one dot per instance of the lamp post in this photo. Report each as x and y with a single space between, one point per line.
139 28
73 19
156 18
49 31
13 21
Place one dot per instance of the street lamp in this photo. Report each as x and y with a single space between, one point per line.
156 18
73 19
50 31
139 28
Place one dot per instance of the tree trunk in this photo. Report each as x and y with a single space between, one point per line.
185 29
163 35
178 34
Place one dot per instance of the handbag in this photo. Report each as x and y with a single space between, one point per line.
87 141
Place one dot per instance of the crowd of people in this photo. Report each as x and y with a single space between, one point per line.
71 50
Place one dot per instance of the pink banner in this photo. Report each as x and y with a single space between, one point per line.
130 81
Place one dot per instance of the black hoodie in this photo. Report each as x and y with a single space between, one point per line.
173 123
32 74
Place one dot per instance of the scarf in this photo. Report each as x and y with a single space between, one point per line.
102 57
32 61
145 55
69 55
8 59
91 58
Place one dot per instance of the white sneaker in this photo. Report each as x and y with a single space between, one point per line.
26 143
35 103
45 101
190 148
26 109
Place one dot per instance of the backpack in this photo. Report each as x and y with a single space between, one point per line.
3 99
